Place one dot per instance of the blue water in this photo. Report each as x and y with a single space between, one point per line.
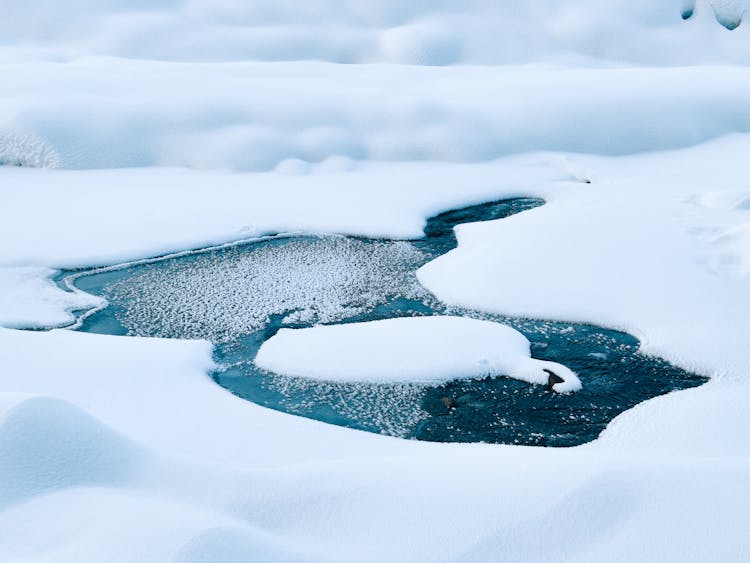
240 296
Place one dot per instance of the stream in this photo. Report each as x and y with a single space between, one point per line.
238 296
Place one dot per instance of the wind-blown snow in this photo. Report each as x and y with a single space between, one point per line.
156 392
409 350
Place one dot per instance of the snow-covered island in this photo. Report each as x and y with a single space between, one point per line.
411 350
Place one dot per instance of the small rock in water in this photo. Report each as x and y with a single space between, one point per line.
450 403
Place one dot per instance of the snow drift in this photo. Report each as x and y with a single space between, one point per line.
410 350
48 444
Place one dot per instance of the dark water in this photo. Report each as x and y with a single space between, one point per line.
239 296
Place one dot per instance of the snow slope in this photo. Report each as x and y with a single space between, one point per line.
156 127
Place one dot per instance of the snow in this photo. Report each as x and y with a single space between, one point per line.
607 235
250 116
412 349
154 204
30 299
359 31
135 129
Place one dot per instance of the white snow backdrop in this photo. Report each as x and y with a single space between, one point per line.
163 126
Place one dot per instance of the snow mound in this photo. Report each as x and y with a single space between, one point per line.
48 444
242 116
27 150
232 544
414 349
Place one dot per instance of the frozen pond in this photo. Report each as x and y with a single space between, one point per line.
238 296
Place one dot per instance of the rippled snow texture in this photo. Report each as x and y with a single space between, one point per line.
224 295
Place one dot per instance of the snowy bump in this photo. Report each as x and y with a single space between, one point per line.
410 350
48 444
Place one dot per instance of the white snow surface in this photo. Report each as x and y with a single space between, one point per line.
29 299
409 350
157 127
254 116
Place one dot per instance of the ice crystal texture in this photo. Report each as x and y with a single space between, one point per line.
223 295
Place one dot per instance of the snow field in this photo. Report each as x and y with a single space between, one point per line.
170 506
648 257
123 449
251 116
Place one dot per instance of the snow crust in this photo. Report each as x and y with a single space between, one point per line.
413 349
123 449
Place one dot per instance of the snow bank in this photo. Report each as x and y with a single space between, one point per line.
248 481
249 116
47 444
29 299
103 90
409 350
592 255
